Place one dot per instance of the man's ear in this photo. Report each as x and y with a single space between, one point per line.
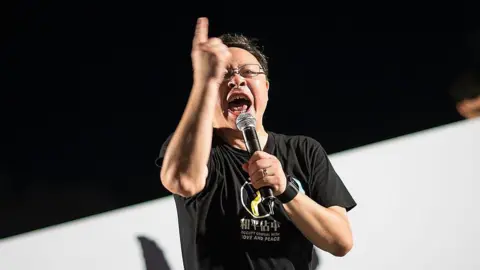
267 84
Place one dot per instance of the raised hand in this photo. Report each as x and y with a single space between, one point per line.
209 55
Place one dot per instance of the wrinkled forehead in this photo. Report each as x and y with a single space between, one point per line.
241 57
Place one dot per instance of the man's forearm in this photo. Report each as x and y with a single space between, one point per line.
184 165
324 227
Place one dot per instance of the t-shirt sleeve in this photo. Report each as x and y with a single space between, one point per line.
163 149
327 188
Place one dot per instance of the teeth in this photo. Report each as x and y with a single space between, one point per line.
238 97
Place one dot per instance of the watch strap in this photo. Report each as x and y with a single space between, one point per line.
290 192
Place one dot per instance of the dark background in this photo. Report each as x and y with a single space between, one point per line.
90 91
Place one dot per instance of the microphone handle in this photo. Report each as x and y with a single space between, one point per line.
253 144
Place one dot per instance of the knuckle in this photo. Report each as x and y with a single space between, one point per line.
215 40
225 53
224 48
219 52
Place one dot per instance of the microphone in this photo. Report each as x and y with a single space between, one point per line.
246 123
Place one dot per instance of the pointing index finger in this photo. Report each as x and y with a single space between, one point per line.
201 31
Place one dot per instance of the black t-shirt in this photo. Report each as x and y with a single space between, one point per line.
226 226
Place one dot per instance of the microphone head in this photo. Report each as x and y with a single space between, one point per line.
244 120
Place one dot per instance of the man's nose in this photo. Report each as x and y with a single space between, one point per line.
236 81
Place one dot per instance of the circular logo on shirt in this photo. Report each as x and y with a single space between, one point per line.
254 203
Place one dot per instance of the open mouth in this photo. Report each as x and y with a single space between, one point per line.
238 104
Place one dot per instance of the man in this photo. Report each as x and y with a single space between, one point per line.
466 94
224 222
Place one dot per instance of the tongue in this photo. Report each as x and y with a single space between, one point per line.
237 109
238 106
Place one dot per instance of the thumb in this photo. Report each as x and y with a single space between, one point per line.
245 167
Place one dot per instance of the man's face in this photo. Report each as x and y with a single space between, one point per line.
245 88
469 108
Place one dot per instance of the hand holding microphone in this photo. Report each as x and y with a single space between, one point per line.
265 170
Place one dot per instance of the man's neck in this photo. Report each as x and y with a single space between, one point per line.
235 137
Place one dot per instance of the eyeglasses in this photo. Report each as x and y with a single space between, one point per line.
246 71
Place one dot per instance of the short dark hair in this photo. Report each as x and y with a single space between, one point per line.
249 44
466 86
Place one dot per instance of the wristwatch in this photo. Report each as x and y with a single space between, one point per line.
290 192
